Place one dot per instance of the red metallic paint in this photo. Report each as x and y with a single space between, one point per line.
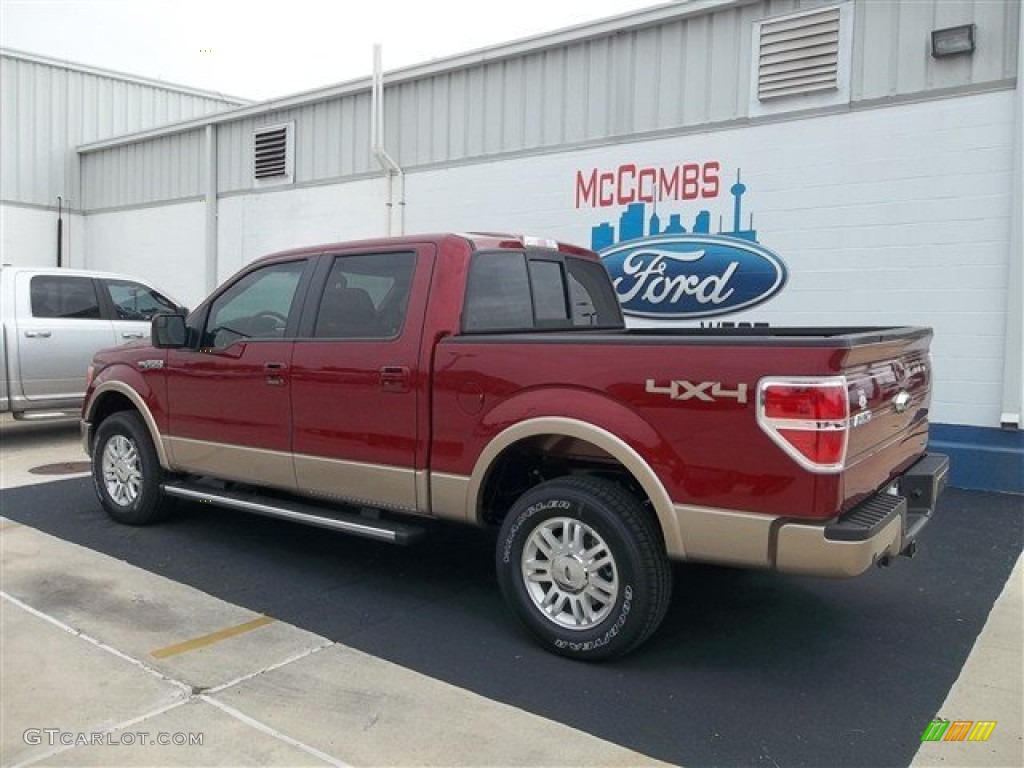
121 364
341 406
229 396
464 392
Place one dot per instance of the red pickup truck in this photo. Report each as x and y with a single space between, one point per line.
490 380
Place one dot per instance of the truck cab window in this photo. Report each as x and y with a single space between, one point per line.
548 284
591 296
67 297
256 307
365 297
498 294
519 292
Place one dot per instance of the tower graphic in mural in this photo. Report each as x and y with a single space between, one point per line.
635 224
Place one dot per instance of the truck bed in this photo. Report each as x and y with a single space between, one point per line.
692 409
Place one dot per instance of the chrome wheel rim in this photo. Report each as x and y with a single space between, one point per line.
570 573
122 470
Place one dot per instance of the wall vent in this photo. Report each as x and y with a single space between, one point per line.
799 54
272 150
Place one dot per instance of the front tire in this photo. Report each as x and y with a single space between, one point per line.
582 565
126 471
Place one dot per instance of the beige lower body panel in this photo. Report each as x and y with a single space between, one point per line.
449 497
804 549
231 462
375 485
725 537
719 536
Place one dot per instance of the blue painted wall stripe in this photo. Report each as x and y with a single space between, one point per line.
981 458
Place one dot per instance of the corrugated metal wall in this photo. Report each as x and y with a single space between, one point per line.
47 111
168 168
892 46
677 75
332 140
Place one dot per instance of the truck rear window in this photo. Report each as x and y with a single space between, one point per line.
530 291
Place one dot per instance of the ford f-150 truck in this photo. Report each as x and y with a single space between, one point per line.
490 380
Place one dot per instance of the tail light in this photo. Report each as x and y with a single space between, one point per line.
808 417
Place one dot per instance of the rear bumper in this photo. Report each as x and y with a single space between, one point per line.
882 527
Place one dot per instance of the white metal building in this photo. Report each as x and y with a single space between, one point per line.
48 108
880 164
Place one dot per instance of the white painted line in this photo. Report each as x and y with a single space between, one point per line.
308 652
105 732
98 643
262 727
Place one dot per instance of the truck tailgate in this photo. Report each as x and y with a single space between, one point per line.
889 385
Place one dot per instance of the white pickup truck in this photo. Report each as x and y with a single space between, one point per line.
53 321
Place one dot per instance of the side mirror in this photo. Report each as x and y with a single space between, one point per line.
169 331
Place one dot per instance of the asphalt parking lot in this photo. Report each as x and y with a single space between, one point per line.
748 669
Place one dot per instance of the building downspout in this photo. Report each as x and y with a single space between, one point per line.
1013 358
60 232
211 208
392 169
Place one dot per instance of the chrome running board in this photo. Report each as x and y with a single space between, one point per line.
295 511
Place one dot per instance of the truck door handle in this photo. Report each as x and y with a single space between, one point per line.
273 372
37 334
394 378
132 335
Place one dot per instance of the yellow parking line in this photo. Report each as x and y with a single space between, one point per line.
215 637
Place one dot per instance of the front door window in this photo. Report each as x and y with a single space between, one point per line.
256 307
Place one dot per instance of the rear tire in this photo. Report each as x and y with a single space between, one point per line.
582 565
126 471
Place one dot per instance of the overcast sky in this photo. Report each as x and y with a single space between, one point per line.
260 49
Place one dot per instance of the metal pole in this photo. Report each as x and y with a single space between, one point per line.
60 232
211 208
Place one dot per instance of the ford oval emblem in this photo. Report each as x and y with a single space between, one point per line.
690 276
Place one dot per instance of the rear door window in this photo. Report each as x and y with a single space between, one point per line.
365 297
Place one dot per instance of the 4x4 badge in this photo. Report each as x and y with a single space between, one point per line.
706 391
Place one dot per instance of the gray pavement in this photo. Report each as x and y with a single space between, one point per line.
111 659
102 659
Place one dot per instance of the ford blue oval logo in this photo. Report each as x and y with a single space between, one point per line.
690 276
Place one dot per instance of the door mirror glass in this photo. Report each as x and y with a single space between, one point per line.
169 331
